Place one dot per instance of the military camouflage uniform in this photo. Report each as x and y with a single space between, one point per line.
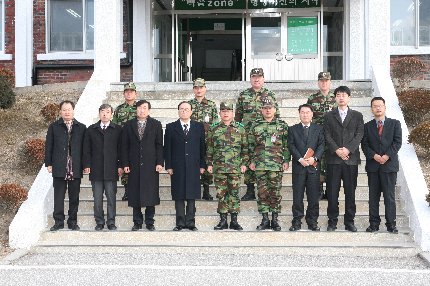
121 115
268 151
227 150
248 110
321 106
205 112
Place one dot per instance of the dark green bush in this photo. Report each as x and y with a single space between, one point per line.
7 96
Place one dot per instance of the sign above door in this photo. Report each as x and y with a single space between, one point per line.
241 4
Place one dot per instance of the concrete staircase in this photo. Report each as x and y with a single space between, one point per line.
164 98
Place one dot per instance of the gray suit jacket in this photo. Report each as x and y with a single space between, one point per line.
347 134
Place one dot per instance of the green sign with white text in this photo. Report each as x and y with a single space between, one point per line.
262 4
303 35
241 4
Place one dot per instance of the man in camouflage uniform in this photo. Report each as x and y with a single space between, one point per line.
322 102
204 111
227 157
121 115
248 110
269 157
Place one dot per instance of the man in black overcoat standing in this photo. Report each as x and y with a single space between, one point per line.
63 158
184 151
381 142
301 137
142 157
101 160
343 131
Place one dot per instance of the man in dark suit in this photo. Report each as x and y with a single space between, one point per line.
301 137
381 142
184 151
63 158
142 158
101 160
343 131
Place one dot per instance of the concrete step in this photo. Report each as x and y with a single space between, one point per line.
209 207
361 192
207 222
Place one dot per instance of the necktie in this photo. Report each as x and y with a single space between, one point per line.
104 128
141 129
380 129
186 129
306 132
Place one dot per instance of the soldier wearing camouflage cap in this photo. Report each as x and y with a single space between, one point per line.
204 111
227 157
269 157
121 115
322 102
248 110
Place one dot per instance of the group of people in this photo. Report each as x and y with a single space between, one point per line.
199 148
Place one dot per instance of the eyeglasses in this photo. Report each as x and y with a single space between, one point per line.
377 106
184 109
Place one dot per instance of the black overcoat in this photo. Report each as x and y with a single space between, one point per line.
142 156
185 154
56 148
101 151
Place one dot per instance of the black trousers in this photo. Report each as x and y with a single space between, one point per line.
110 189
73 188
385 183
188 219
149 215
348 174
311 182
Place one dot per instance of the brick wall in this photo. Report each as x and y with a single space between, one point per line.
46 76
9 37
422 75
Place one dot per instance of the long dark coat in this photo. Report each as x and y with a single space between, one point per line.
56 148
101 151
185 154
142 156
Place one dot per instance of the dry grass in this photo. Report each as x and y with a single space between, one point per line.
21 122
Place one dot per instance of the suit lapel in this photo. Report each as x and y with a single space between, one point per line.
147 127
374 128
337 116
311 131
178 128
134 126
192 128
347 118
300 131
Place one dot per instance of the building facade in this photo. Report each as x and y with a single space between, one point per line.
51 41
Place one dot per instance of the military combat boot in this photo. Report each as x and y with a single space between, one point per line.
250 193
275 225
206 195
125 196
265 222
222 223
233 223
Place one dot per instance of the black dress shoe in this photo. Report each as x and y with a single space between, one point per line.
178 228
314 227
150 227
112 227
74 226
56 227
331 228
350 227
193 228
372 228
136 227
392 229
295 227
99 227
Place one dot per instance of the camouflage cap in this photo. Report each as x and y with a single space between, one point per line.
324 75
257 71
199 82
129 85
268 102
226 105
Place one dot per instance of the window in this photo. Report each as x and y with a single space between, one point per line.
410 19
71 25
